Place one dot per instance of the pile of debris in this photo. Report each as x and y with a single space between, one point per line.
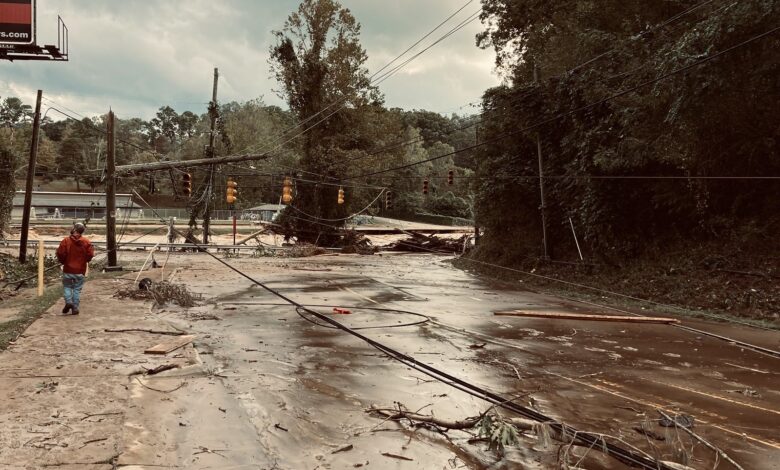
304 250
356 242
160 292
418 242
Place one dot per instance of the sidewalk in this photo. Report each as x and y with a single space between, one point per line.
69 388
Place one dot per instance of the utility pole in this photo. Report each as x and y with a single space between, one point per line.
111 196
30 180
213 113
543 207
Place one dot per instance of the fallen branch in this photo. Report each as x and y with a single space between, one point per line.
92 441
399 457
141 330
161 368
717 450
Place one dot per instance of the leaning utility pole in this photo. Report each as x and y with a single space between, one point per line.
543 207
111 196
209 186
30 180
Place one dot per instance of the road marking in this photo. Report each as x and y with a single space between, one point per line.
360 295
772 444
718 397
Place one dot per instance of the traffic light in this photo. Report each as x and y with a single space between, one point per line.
341 196
425 186
451 177
186 184
231 193
287 190
389 200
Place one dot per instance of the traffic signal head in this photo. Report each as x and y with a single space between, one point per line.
389 200
231 192
341 196
451 177
186 184
425 186
287 190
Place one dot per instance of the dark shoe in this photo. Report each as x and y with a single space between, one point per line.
75 311
66 309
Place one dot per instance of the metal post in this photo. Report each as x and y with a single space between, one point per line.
41 258
111 196
234 227
207 210
30 180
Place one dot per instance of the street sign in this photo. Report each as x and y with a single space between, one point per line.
17 22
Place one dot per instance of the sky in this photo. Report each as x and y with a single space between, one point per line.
137 55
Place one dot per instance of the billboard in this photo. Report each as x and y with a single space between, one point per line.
17 22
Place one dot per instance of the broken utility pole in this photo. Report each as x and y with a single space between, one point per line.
111 196
30 180
213 112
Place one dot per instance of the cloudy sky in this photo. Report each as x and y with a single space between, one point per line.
137 55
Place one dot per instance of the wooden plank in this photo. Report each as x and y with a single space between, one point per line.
588 317
168 346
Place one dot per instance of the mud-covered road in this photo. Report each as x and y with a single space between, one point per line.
265 388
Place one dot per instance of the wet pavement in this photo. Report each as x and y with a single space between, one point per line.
294 392
263 388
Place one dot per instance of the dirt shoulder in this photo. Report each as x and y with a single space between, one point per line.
67 385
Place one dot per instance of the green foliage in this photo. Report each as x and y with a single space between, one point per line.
7 184
499 433
717 120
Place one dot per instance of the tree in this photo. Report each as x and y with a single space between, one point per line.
320 65
695 124
13 112
7 183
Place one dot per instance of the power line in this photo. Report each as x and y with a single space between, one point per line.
516 100
581 108
342 101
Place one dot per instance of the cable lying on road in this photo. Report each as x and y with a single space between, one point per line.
631 457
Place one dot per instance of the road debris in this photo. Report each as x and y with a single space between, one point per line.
587 317
418 242
162 293
170 346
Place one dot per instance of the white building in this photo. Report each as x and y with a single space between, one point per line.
53 205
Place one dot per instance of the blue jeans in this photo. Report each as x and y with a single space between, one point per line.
72 284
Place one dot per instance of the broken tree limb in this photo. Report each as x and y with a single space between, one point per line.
140 330
717 450
588 317
252 237
399 457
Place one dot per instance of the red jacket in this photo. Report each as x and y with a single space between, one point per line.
74 253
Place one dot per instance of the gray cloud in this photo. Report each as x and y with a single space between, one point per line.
137 55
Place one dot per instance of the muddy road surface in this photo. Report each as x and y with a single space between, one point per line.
265 385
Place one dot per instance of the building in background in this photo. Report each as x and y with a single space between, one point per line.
56 205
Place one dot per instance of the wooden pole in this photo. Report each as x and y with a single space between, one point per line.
30 180
111 196
543 207
41 256
207 210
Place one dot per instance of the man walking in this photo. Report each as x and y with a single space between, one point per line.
74 253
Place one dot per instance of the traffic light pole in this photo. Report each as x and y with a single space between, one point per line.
30 180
